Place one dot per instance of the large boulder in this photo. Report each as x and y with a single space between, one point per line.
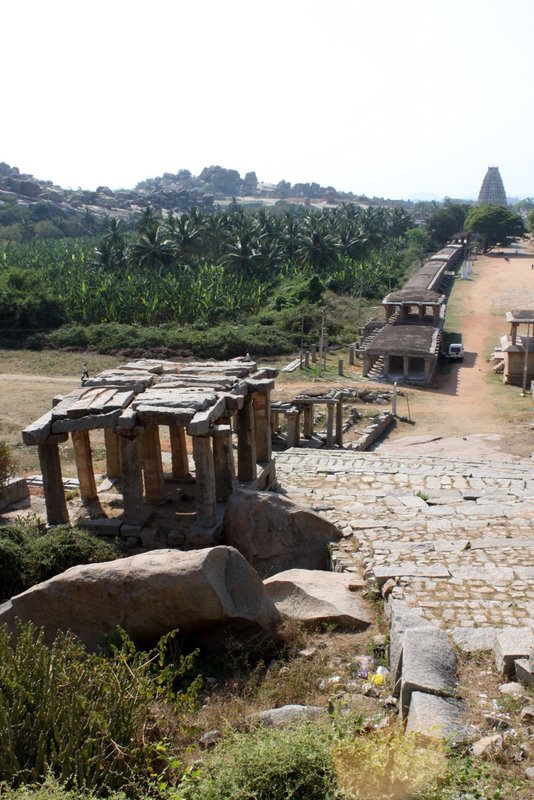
315 597
213 590
274 534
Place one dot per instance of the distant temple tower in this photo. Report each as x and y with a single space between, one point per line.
492 189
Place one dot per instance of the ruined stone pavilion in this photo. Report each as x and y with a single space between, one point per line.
518 350
205 401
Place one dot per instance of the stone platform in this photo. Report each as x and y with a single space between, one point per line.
454 537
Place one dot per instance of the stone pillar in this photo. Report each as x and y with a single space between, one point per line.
428 369
84 465
366 366
113 453
293 427
385 369
246 443
314 354
274 422
421 312
56 506
330 425
406 366
339 423
388 310
308 421
307 359
205 481
435 315
223 460
340 367
180 463
152 466
351 355
514 332
261 407
132 479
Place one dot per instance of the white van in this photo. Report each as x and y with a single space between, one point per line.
456 352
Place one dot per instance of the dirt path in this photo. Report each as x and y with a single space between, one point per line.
468 399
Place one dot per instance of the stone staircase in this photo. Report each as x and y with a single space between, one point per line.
454 537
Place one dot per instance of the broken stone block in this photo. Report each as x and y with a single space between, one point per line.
428 665
523 671
470 640
437 717
487 745
511 643
403 617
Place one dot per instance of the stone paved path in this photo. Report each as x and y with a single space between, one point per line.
457 535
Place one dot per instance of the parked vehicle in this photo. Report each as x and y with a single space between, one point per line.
456 352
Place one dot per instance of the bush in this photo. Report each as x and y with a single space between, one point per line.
92 722
29 553
269 764
7 463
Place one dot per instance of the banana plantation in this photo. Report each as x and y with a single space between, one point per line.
202 268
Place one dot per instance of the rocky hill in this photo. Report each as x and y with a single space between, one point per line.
215 186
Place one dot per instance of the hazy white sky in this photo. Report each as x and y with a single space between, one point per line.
378 97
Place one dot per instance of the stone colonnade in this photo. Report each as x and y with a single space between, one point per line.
300 419
406 314
133 455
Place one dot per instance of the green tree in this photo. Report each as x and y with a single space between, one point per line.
495 225
445 222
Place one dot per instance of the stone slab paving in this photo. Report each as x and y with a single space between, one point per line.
452 536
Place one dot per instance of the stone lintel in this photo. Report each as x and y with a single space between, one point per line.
38 431
261 385
201 422
88 423
164 415
127 419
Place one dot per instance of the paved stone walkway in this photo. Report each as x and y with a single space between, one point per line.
456 536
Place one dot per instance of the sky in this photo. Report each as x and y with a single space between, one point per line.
378 97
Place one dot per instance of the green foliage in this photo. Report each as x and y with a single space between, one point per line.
445 222
530 221
495 224
268 764
91 721
29 553
7 463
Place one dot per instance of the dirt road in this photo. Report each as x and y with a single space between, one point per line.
468 399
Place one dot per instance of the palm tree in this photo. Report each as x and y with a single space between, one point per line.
152 249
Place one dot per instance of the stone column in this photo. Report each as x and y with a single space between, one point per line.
152 466
330 425
54 492
84 465
514 332
429 362
421 312
366 366
274 422
307 426
435 315
113 453
205 481
314 354
261 406
385 369
132 479
293 427
351 355
180 463
223 460
246 442
340 367
339 423
406 366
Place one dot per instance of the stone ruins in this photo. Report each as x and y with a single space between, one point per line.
204 400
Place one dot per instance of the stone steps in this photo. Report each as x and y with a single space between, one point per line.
450 535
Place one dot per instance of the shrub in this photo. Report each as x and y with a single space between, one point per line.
268 764
7 463
93 722
29 553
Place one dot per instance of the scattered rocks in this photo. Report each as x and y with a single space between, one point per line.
315 597
209 739
527 715
278 717
275 534
513 689
487 746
